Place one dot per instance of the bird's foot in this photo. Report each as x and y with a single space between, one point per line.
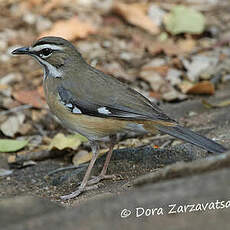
101 177
91 184
79 191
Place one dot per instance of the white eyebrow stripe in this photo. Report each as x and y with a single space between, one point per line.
49 46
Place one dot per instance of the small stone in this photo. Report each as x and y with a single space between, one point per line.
226 78
9 78
127 56
156 62
106 44
29 18
43 24
155 80
156 14
3 45
173 76
199 65
173 95
4 58
11 126
192 113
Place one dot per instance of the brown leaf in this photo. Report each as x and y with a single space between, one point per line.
204 87
9 103
3 87
170 47
70 29
84 156
36 115
162 70
50 5
136 15
155 95
25 128
187 45
41 92
30 97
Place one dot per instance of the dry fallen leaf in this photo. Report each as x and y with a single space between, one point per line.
84 156
3 87
185 86
25 128
30 97
187 45
215 105
41 92
171 94
60 141
136 15
70 29
12 125
204 87
162 69
170 47
50 5
183 19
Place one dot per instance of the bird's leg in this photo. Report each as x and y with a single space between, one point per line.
103 175
82 187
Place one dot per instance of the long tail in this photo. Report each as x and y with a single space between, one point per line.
192 137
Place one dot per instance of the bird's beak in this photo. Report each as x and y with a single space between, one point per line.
22 50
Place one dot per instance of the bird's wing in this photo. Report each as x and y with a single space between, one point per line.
105 96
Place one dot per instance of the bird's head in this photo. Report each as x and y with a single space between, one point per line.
55 54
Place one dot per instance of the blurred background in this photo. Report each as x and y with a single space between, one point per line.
173 52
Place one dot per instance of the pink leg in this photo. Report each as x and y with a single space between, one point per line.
103 175
82 187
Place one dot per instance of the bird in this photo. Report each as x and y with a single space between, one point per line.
97 105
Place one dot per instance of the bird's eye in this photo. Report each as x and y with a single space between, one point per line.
45 52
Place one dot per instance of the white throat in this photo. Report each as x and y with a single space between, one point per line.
49 70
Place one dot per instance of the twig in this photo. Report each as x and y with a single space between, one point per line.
16 109
34 156
66 168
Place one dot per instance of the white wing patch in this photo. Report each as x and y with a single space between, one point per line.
76 110
103 110
69 105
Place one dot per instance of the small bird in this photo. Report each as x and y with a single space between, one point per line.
98 106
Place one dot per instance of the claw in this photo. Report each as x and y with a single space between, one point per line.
72 195
78 192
